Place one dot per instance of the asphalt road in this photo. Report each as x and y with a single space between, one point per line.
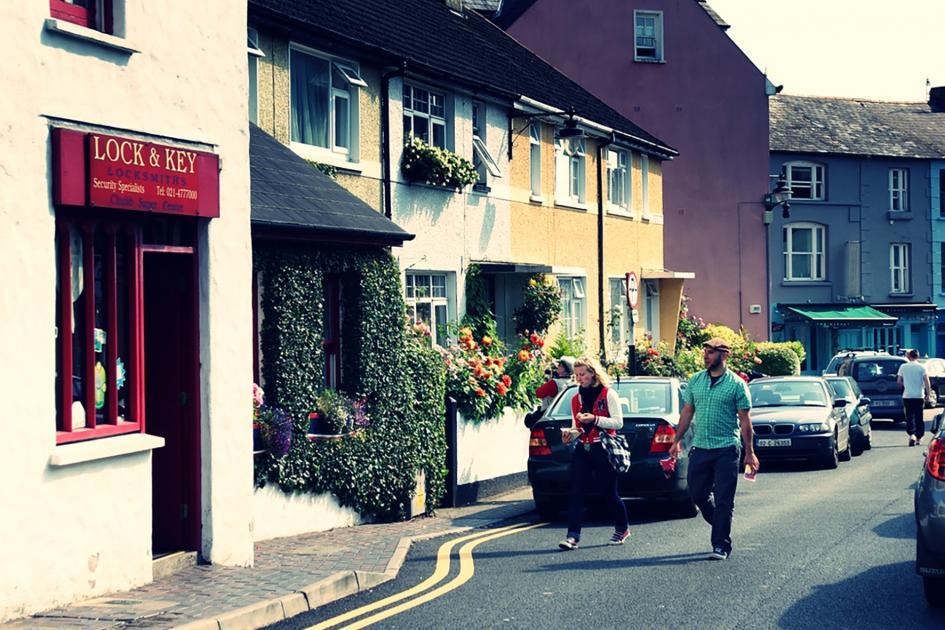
812 548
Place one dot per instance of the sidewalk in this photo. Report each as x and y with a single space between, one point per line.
292 575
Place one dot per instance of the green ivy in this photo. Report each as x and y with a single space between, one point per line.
401 378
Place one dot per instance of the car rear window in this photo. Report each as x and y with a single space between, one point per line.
841 387
872 370
787 393
637 398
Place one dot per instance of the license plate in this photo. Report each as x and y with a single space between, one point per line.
885 403
763 442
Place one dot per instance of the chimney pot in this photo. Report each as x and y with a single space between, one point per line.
937 99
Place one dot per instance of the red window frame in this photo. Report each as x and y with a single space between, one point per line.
110 423
84 15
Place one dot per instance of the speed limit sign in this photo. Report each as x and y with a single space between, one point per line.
633 293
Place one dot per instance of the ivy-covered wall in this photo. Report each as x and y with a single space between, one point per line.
398 373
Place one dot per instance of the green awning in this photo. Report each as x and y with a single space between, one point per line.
844 315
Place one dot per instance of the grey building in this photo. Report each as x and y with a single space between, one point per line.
855 265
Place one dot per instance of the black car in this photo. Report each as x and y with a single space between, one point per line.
857 410
798 417
930 519
876 376
935 368
650 407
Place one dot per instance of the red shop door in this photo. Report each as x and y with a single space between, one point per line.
172 397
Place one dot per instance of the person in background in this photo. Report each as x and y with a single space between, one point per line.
720 402
595 408
560 377
916 391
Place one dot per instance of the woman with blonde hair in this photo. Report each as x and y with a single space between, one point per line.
595 408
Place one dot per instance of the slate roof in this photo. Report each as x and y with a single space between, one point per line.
847 126
288 192
435 41
512 10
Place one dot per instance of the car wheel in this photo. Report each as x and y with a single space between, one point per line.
934 589
845 456
684 508
857 447
869 443
547 509
831 461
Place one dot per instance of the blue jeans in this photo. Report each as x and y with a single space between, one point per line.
715 471
585 466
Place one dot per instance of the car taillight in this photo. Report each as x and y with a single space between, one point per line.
935 459
663 438
537 444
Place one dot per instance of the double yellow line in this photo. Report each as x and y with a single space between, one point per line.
466 571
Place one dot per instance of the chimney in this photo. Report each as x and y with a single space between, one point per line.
455 5
937 99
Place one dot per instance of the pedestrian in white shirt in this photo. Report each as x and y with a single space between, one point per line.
916 391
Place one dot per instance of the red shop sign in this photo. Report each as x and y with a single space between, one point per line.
92 169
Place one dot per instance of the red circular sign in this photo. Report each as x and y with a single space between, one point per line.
633 293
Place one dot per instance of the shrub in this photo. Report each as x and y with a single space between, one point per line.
432 165
688 362
691 330
565 346
654 359
798 348
541 306
778 359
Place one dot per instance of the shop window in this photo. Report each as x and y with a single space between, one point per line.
324 95
425 115
428 302
93 14
331 331
98 332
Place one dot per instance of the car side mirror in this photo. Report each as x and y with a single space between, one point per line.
936 423
865 401
840 402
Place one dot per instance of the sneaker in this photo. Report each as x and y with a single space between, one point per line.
912 440
918 440
719 554
568 544
619 537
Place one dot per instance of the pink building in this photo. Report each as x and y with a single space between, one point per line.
671 68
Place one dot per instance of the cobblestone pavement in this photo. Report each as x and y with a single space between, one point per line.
340 559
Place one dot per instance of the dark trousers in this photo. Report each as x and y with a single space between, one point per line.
589 467
915 423
715 471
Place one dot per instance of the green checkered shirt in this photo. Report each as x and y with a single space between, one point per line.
715 424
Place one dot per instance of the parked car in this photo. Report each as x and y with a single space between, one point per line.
876 376
799 417
857 410
936 371
930 519
843 355
650 406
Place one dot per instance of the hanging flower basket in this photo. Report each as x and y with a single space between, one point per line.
434 166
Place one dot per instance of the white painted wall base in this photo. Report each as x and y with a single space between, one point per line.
487 450
277 514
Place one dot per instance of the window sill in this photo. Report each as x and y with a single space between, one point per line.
482 189
104 448
568 203
326 156
899 215
648 60
806 283
902 295
89 35
618 211
539 199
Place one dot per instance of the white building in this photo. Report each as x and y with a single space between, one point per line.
123 175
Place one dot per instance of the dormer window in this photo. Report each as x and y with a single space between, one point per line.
648 36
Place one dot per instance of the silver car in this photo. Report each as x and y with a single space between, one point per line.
930 519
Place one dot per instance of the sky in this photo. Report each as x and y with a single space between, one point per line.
850 48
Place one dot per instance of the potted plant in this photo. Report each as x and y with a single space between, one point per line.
336 416
272 427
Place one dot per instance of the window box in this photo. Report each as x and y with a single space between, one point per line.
436 166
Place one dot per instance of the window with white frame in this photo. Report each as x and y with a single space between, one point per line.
483 161
898 189
899 279
324 93
651 308
619 315
254 53
806 180
804 251
428 302
648 36
425 115
645 183
535 157
618 180
573 303
569 169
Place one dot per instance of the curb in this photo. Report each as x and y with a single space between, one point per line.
325 591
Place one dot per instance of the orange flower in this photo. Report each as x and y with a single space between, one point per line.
480 392
487 341
502 389
477 371
486 376
506 380
523 355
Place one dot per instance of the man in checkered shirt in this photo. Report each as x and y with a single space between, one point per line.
720 402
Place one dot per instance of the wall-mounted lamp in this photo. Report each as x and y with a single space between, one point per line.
777 197
570 129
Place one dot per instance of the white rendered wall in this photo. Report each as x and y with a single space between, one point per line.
277 514
85 529
487 450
